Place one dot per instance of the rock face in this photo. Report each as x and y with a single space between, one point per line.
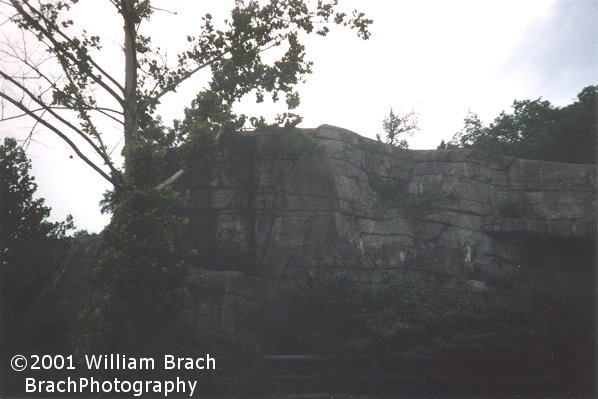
275 204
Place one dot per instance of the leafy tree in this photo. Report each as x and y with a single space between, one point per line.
397 125
140 273
538 130
74 105
31 248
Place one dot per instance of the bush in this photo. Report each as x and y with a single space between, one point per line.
534 316
292 144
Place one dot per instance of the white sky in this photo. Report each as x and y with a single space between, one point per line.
437 57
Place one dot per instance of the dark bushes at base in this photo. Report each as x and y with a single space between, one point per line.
535 316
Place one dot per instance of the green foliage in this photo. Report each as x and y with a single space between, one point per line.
538 130
231 53
139 278
396 125
31 247
208 114
292 144
254 27
31 251
197 150
235 55
532 316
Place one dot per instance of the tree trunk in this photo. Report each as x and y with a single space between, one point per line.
130 110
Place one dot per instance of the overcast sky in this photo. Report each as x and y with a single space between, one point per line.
440 58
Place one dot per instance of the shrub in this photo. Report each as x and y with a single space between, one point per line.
292 144
535 317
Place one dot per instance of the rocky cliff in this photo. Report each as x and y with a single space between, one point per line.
327 198
274 204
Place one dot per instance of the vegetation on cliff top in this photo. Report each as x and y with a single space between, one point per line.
536 129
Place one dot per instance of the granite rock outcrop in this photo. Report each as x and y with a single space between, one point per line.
273 205
367 210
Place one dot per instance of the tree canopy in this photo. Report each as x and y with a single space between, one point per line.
70 91
31 247
536 129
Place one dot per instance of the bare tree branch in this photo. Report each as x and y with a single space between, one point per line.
171 180
100 150
56 46
63 137
103 111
